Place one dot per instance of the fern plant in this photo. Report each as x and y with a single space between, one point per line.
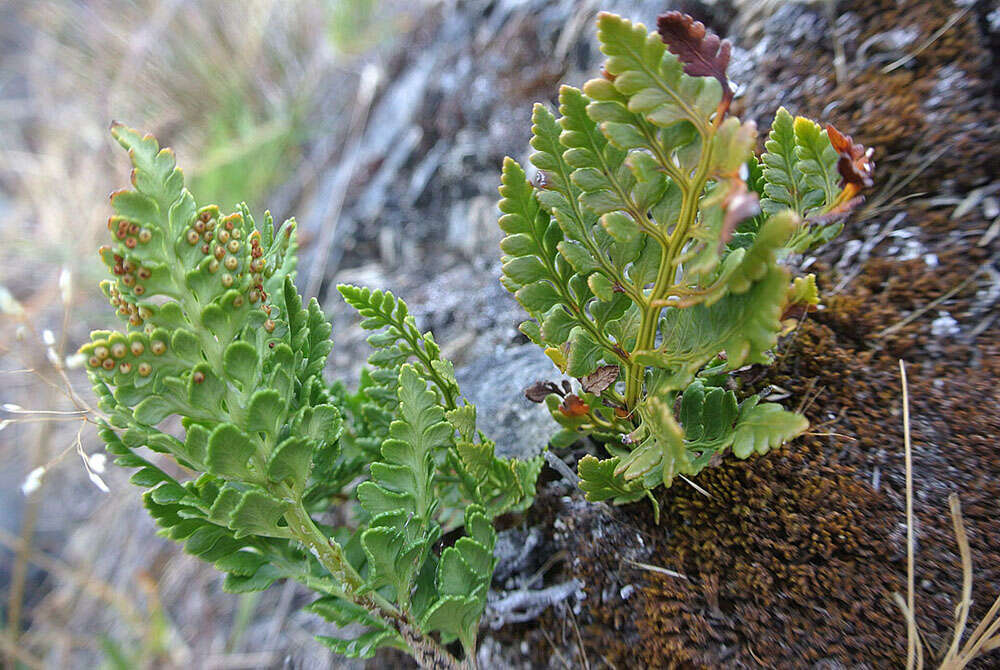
217 337
647 253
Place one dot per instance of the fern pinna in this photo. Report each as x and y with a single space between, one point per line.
647 253
216 334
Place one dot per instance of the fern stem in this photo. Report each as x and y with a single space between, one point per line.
328 552
664 274
425 360
331 556
668 166
428 653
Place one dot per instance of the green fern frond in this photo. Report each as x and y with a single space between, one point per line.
644 245
217 334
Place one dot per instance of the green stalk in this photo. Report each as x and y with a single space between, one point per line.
665 273
331 556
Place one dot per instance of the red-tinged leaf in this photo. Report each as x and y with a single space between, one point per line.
599 380
572 405
855 164
701 52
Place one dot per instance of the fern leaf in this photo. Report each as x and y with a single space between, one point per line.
783 181
817 162
764 427
743 326
400 494
599 481
652 77
708 416
462 581
365 645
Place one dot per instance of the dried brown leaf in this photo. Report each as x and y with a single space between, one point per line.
797 310
538 391
599 380
702 52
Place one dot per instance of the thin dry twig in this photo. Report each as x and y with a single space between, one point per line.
579 639
899 62
556 649
841 435
656 568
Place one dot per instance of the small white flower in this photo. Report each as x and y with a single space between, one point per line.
66 285
32 481
48 337
53 357
98 462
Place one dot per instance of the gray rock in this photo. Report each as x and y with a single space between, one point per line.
495 384
521 606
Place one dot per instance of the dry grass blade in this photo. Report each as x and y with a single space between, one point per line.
986 630
962 611
97 588
364 97
579 639
986 637
914 650
912 633
696 487
556 649
981 641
